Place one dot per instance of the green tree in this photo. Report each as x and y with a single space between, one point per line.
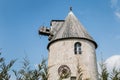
79 72
115 74
43 70
5 68
26 73
104 73
107 75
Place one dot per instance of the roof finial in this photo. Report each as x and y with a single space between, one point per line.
70 8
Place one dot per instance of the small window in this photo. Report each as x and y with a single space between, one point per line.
73 78
77 48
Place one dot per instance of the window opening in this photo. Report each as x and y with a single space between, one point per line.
77 48
73 78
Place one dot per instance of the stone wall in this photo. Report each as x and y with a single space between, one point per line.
62 53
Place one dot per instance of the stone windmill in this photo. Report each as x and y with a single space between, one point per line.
71 50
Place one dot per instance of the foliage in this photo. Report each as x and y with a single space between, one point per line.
41 72
115 75
26 73
43 69
105 75
5 68
80 74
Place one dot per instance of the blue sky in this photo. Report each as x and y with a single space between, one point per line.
21 19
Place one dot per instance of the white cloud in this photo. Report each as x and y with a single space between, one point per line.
114 3
113 62
117 14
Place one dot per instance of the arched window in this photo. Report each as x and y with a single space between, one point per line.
77 48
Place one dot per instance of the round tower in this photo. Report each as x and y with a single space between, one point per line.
71 51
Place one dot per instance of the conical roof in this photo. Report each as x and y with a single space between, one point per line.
72 28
